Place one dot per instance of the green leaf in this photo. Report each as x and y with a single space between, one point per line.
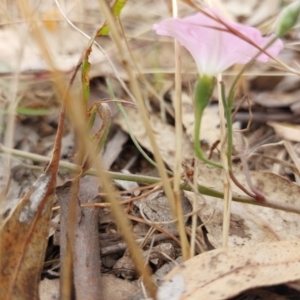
30 111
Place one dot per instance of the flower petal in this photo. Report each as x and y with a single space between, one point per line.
213 47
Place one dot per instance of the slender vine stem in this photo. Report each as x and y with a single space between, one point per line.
63 165
227 108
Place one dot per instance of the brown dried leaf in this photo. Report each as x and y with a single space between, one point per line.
24 236
223 273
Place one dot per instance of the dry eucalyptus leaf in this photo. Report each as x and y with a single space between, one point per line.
24 237
288 84
276 99
164 136
289 132
224 273
250 224
65 56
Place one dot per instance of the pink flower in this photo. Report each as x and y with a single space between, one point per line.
213 47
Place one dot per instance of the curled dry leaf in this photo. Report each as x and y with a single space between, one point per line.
224 273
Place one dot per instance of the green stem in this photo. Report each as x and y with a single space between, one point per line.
147 180
227 109
203 91
228 105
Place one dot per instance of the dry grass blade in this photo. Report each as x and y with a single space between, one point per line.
143 112
186 252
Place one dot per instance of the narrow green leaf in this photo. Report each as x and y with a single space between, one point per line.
30 111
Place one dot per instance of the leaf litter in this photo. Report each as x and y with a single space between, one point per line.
249 226
223 273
